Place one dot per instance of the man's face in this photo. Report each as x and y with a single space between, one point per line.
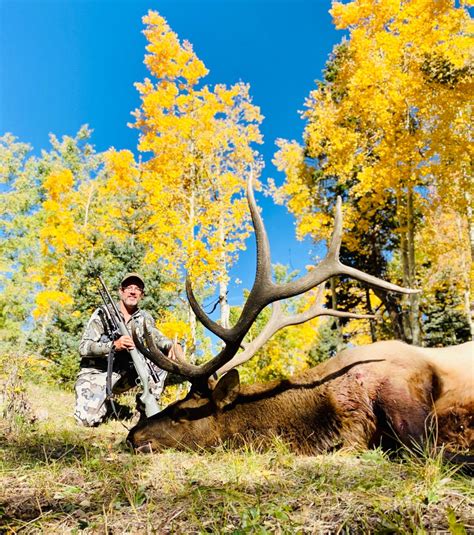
131 294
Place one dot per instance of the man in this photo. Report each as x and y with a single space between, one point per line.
92 405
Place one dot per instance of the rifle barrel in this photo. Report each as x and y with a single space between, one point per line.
109 297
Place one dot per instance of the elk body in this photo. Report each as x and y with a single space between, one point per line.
365 396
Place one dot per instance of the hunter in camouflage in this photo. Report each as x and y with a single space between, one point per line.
92 406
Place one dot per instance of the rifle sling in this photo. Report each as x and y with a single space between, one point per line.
108 384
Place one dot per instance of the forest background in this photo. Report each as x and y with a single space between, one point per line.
387 127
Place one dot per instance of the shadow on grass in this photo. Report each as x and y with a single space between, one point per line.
31 445
49 477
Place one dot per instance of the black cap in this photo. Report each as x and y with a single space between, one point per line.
133 276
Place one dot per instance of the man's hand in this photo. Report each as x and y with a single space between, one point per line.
176 352
124 342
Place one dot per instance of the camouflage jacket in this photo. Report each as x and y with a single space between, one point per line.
96 343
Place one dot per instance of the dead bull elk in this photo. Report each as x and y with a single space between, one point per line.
364 396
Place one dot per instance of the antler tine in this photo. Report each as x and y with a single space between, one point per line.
263 273
261 293
263 289
279 321
373 281
331 266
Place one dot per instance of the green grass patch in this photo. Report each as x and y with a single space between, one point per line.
57 477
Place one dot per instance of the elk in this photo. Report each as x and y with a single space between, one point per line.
380 394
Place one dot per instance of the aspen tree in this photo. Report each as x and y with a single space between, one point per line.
201 139
390 125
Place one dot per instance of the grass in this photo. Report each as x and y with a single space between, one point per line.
56 477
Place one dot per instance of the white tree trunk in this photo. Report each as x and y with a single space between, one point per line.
223 284
191 316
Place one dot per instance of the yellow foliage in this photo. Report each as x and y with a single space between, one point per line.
283 355
200 139
444 250
176 329
59 231
121 170
393 120
47 299
286 353
167 58
62 233
58 183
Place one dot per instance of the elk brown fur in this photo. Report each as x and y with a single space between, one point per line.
365 396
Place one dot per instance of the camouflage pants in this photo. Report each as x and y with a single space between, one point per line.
92 406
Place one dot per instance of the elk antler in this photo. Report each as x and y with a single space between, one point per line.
279 321
264 292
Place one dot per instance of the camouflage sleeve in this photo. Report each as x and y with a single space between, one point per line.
160 339
94 342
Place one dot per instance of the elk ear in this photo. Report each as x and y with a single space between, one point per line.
227 389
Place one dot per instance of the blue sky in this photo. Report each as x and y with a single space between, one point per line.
64 63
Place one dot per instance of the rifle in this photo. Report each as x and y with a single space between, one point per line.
115 320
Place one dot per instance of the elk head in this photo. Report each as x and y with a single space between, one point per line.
193 421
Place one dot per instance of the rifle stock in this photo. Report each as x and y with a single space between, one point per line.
147 398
